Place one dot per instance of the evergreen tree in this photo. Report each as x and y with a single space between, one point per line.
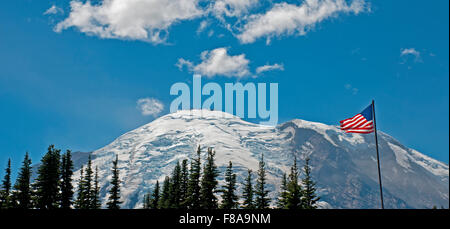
164 202
66 180
208 200
229 198
95 204
22 187
282 199
248 192
310 197
80 202
294 193
114 193
88 186
262 200
193 200
184 184
174 188
48 180
6 188
147 200
155 197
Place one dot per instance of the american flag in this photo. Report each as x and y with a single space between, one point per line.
361 123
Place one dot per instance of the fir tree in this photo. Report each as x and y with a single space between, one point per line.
261 194
5 192
155 197
174 188
184 184
294 193
229 198
310 197
66 180
48 180
248 192
88 187
22 187
147 200
80 202
114 194
208 200
282 199
95 202
163 202
193 200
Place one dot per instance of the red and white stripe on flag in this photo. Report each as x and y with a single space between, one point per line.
361 123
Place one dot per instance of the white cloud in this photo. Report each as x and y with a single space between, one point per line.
150 106
182 62
146 20
218 62
411 51
267 67
150 20
203 25
53 10
232 8
289 19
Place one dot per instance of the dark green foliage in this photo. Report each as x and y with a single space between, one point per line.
184 183
262 200
114 193
208 200
22 188
66 180
174 188
48 180
151 199
163 202
193 199
147 200
229 198
5 192
294 192
95 202
88 186
282 199
80 202
310 197
155 197
248 192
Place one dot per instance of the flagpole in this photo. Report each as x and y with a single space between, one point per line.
378 156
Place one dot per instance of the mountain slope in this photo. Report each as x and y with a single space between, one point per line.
344 165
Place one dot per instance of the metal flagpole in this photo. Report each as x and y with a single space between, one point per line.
378 157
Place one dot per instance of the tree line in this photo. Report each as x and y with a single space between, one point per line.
52 188
196 188
190 186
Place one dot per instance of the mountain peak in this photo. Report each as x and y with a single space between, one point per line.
344 165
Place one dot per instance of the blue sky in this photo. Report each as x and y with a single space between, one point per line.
76 83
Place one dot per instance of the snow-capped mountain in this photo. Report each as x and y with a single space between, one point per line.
344 165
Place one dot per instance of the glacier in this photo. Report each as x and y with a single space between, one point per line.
343 164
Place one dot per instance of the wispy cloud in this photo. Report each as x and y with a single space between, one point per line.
150 106
268 67
53 10
290 19
411 52
203 25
